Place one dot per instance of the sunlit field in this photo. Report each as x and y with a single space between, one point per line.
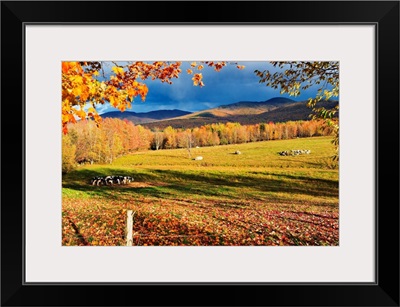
257 197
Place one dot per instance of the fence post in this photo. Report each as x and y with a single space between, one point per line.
129 228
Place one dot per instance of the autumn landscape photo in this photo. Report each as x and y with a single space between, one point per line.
200 153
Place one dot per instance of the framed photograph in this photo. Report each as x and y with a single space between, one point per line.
160 153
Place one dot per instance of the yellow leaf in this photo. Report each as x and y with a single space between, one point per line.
113 101
77 91
85 94
77 79
80 113
65 118
131 93
117 70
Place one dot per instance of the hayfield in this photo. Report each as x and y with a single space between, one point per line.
255 198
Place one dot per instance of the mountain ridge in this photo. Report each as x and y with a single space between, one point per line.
287 112
276 109
242 108
271 101
145 117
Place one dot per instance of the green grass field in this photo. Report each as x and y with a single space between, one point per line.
255 198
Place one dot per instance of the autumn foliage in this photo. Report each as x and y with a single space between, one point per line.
86 143
86 85
229 203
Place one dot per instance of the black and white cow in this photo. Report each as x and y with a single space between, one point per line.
98 180
110 180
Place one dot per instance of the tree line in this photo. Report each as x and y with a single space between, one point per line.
87 143
85 83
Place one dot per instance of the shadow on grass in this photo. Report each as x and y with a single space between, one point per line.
206 184
210 184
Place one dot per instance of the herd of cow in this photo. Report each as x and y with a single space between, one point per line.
110 180
294 152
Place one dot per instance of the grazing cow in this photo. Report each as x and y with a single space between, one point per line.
110 180
127 179
122 179
294 152
237 152
117 179
97 180
198 158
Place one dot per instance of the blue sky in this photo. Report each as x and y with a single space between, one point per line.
227 86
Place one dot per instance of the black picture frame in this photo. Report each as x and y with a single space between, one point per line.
383 14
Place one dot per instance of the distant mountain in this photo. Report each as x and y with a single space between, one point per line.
277 109
243 108
246 113
145 117
270 103
291 112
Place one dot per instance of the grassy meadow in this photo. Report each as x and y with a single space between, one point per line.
255 198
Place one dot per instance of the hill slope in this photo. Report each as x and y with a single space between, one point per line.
288 111
145 117
241 108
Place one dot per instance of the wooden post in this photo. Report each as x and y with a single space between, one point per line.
129 228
